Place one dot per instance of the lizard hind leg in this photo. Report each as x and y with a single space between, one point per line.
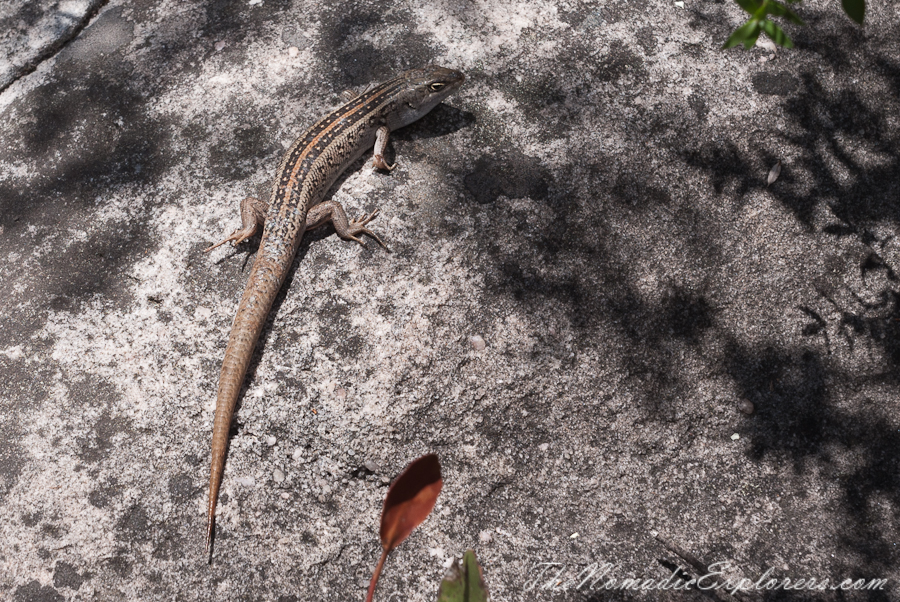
253 216
332 211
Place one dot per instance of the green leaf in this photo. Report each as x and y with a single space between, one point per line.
750 42
762 11
777 9
748 32
464 584
793 17
475 582
855 9
453 587
778 36
780 10
751 6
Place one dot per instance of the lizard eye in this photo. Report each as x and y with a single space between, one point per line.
436 86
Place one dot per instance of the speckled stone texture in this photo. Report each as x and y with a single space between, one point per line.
596 311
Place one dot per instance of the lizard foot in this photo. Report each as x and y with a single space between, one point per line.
358 226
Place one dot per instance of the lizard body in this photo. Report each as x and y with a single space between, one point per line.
308 169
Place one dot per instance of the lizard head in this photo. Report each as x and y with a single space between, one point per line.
425 89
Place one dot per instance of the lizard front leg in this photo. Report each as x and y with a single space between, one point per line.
381 139
332 211
253 216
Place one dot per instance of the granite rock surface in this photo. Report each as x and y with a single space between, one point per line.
596 311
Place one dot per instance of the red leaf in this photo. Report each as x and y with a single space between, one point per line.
410 499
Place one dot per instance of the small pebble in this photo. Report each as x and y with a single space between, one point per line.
773 174
278 476
735 437
285 495
293 51
298 453
544 446
746 406
477 342
270 440
485 537
371 466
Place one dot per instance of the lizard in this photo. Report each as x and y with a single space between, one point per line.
308 169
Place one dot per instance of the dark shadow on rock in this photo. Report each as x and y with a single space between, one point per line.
343 43
860 323
12 458
828 125
712 18
89 134
826 120
729 171
573 268
90 130
797 419
512 174
229 19
571 265
443 120
789 394
33 591
834 38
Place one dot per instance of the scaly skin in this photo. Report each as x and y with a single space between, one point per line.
309 168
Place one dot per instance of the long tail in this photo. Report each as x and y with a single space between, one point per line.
263 284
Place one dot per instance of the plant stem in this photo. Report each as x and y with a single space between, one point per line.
371 595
